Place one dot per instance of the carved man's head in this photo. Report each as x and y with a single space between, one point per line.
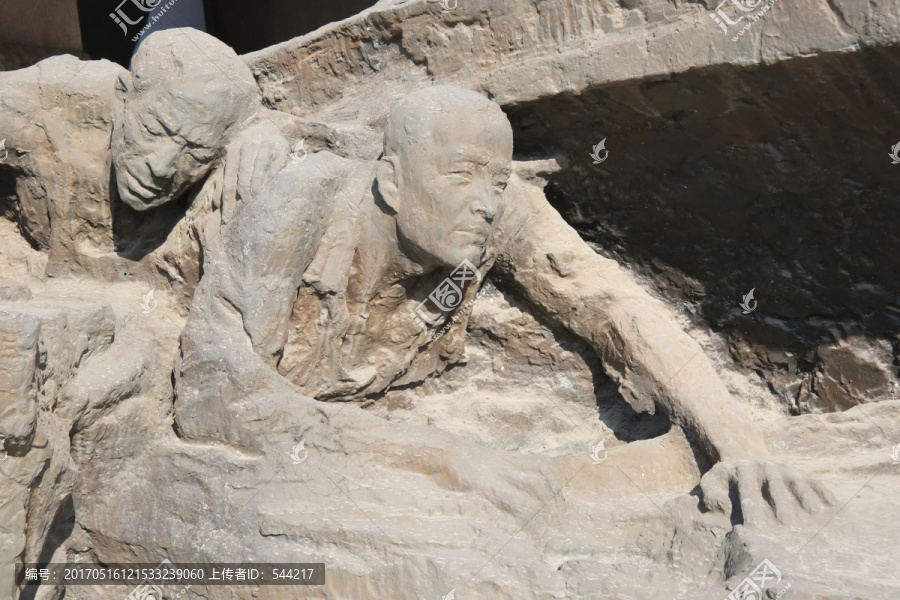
186 97
447 158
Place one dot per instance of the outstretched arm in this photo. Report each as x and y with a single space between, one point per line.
641 345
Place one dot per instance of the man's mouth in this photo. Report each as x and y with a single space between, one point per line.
481 233
138 188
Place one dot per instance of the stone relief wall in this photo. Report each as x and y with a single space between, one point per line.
448 297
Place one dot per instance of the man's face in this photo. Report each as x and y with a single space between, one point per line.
164 143
451 188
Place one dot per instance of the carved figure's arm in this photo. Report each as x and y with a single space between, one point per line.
641 345
648 355
239 315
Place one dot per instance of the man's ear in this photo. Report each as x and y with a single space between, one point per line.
387 176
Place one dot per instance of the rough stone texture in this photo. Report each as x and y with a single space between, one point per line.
559 48
850 373
720 178
44 348
692 120
808 183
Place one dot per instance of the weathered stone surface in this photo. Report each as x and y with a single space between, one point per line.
20 357
44 348
695 119
851 373
519 52
208 296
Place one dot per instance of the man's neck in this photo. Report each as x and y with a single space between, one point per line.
381 252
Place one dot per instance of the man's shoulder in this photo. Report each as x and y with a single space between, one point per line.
320 175
65 72
330 164
524 202
83 93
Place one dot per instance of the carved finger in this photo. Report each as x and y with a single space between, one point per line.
270 162
802 489
749 486
249 153
263 166
825 494
780 499
230 184
714 486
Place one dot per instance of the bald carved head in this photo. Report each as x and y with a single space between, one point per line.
447 158
186 97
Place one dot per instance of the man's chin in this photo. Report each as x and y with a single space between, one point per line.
143 200
132 200
474 254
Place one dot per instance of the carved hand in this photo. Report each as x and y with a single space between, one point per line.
254 159
768 491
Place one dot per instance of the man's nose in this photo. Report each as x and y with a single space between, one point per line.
162 162
486 205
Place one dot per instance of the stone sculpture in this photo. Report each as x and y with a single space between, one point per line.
186 98
320 374
364 244
187 103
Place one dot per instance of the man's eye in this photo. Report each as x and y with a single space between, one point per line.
199 153
151 128
500 186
